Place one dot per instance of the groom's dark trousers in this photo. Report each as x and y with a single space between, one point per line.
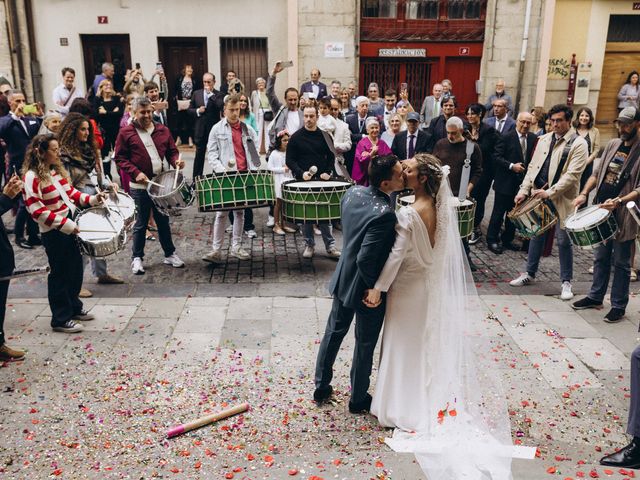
368 230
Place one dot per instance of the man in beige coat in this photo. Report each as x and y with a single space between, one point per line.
554 174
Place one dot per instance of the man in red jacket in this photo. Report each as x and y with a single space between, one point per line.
141 148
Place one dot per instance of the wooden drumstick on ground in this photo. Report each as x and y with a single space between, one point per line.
201 422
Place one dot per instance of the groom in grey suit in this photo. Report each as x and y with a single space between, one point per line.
368 230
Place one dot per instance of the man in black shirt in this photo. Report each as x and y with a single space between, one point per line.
308 148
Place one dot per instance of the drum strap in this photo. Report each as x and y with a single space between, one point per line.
65 198
466 171
563 158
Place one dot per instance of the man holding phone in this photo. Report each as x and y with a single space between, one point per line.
287 116
17 129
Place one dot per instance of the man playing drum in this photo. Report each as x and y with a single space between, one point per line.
617 181
231 148
141 148
558 162
310 157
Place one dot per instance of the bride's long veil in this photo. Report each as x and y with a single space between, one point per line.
467 433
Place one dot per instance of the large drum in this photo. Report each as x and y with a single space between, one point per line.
124 205
169 200
102 231
533 217
234 190
591 227
466 211
313 201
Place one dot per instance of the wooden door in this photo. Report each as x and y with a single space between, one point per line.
98 49
247 56
619 60
175 53
463 73
392 73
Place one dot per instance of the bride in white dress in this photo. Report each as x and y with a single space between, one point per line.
436 384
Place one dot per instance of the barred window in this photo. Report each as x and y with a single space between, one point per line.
380 8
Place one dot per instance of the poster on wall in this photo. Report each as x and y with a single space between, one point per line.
583 82
334 50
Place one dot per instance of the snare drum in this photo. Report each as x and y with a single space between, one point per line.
234 190
124 205
169 200
313 201
102 231
466 212
591 227
533 217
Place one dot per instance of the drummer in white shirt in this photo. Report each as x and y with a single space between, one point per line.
617 181
66 92
231 148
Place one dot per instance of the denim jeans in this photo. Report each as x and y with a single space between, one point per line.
144 207
620 253
98 265
325 229
565 251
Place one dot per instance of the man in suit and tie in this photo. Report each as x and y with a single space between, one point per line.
368 235
554 174
356 122
431 106
206 107
501 121
509 173
314 87
410 141
17 129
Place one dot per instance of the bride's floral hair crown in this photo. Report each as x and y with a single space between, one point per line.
430 166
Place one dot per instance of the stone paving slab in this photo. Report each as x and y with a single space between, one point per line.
96 404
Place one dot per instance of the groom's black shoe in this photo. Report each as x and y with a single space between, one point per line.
628 457
361 407
321 395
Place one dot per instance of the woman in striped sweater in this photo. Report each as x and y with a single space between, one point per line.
44 179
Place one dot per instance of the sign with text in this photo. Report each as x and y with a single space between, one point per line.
334 50
64 42
402 52
103 19
463 51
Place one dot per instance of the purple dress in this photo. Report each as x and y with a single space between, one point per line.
361 164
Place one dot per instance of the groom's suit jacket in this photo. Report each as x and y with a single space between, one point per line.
368 233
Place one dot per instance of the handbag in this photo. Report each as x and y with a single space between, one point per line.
267 115
183 105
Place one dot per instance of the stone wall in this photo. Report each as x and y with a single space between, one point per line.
321 22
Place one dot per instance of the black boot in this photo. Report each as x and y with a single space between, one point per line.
628 457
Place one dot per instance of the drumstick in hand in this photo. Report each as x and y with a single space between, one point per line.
175 179
313 170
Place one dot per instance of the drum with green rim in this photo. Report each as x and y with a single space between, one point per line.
590 227
234 190
313 201
466 212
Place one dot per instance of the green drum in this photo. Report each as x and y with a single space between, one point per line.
234 190
466 212
313 201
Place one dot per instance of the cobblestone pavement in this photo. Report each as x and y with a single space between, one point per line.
276 267
97 404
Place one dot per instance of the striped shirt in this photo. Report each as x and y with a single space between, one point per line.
45 205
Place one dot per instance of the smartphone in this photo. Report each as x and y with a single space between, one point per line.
403 86
159 66
137 66
287 64
30 109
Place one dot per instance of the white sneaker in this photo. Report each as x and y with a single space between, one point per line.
522 280
214 256
136 266
251 233
333 253
174 261
229 229
316 230
566 294
308 252
240 253
271 221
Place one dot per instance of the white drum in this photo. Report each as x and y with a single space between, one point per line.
124 205
102 231
591 227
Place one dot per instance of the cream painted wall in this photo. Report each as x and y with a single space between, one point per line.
144 21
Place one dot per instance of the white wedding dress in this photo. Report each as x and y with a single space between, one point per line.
436 383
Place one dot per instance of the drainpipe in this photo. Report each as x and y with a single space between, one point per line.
523 56
36 74
15 44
